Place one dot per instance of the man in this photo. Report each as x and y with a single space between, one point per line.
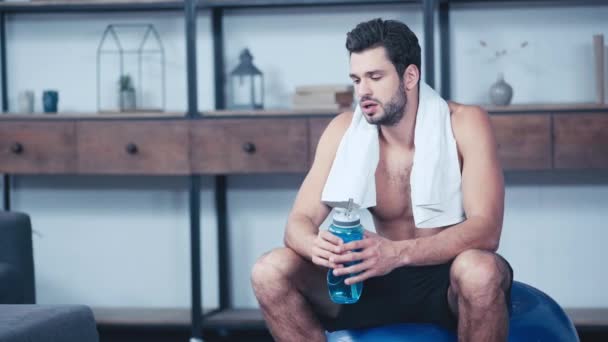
450 275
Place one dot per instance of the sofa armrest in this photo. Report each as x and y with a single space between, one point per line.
47 323
11 291
16 250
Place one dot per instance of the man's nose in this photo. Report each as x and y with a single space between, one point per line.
364 89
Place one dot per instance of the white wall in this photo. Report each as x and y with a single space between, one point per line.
554 233
123 241
304 45
115 241
557 66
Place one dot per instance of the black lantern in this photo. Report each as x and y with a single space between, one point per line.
246 84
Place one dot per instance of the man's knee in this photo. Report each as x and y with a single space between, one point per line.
479 276
274 269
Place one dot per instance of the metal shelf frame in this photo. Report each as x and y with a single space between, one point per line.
190 8
90 6
429 8
432 10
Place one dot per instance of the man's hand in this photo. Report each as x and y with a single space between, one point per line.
326 246
378 256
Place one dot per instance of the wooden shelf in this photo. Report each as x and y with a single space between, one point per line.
135 5
91 116
283 142
588 317
252 319
90 5
142 316
235 319
287 3
179 317
158 317
547 108
141 5
269 112
527 2
161 115
512 109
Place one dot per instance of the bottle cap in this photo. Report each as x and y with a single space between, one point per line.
346 219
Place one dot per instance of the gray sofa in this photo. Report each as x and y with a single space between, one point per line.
47 323
20 319
17 285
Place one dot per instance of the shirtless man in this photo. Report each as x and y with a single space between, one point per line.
450 275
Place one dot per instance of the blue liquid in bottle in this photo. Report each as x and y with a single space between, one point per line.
348 228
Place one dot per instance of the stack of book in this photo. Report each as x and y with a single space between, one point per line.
323 97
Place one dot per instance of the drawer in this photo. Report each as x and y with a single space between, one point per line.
133 147
37 147
524 141
249 145
316 127
581 141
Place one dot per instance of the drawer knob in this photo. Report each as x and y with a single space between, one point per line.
17 148
249 147
131 148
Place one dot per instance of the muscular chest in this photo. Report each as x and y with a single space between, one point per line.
393 196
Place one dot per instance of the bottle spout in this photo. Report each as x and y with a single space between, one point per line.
349 207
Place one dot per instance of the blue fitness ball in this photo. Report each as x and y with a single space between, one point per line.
535 317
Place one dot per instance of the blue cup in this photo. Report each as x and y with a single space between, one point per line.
50 98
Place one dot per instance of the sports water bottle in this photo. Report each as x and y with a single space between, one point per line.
347 226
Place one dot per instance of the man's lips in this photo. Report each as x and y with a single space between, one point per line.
369 106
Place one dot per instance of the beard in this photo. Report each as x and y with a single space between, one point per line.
393 110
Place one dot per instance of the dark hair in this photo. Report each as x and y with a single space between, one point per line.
400 42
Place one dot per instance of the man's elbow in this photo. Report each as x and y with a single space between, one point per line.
287 242
286 237
487 244
491 241
488 234
492 244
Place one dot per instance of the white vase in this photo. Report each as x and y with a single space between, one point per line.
26 102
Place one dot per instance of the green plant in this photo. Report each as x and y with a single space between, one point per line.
125 83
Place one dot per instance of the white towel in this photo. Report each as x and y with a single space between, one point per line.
435 178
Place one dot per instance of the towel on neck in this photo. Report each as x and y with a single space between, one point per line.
435 178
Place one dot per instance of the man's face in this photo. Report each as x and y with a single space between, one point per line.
380 92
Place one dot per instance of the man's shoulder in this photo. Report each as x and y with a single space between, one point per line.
468 119
337 126
342 120
332 136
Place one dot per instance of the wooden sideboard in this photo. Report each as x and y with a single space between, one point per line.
154 147
277 144
581 141
222 145
552 141
537 141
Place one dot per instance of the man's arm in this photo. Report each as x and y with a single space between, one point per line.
483 200
308 211
483 196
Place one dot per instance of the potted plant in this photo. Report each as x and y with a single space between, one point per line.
127 94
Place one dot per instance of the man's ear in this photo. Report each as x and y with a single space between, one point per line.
411 77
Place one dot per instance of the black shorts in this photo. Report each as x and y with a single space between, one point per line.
413 294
